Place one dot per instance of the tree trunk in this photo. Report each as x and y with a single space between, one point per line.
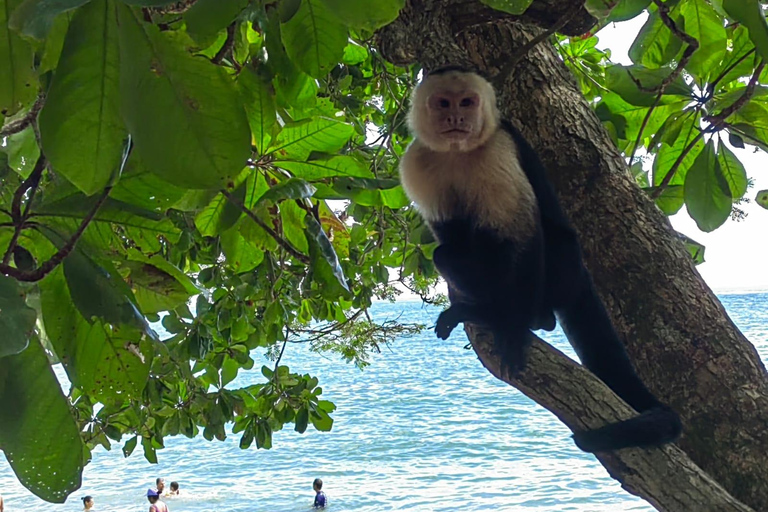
678 335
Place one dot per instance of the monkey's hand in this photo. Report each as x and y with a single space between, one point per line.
447 322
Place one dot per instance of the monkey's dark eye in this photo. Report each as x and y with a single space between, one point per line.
466 102
444 103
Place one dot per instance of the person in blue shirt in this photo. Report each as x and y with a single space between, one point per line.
320 499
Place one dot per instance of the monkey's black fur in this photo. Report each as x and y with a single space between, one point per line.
513 287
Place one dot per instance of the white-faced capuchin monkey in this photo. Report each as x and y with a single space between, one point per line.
510 257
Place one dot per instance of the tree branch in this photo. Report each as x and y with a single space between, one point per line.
719 119
664 476
229 43
44 269
20 124
19 218
280 240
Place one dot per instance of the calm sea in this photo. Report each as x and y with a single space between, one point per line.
424 428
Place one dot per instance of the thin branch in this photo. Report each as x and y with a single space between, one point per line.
521 52
19 218
711 87
643 125
673 170
229 43
717 120
20 124
44 269
281 242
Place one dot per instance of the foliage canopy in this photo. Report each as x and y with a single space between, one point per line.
173 162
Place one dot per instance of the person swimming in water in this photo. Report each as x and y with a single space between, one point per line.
155 505
174 489
320 499
87 503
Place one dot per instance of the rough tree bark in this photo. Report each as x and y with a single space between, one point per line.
681 340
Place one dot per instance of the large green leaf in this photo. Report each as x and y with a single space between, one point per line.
292 217
297 140
706 26
220 214
34 18
733 171
672 198
324 259
22 151
314 38
294 188
259 103
139 187
655 45
182 111
17 320
510 6
38 434
17 78
104 362
707 194
627 9
81 129
620 80
365 15
750 14
206 18
342 165
242 255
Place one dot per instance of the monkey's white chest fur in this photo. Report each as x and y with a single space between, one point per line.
487 184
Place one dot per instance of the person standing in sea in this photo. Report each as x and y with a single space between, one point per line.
320 498
155 505
87 503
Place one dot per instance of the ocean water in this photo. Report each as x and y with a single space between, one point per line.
424 428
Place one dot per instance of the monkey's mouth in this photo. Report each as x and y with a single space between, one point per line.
455 133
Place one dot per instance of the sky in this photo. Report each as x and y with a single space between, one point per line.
735 255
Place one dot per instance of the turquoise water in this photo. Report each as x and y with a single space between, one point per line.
424 428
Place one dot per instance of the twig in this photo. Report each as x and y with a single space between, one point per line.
523 50
693 45
713 84
19 219
673 170
20 124
717 120
229 43
44 269
643 125
283 243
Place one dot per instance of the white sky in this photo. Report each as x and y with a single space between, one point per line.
736 252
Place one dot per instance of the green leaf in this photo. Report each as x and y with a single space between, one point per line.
327 254
258 99
627 9
81 129
155 290
343 165
104 362
365 15
54 43
129 446
206 18
672 198
314 38
17 79
297 140
706 26
354 54
733 171
293 188
141 188
600 9
735 140
38 434
620 80
149 451
762 198
707 193
220 214
655 44
670 130
750 14
509 6
34 18
17 320
241 254
186 119
229 371
695 249
293 225
22 151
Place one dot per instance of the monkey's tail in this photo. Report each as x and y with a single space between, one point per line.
590 331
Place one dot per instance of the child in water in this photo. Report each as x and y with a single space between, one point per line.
174 489
320 499
155 505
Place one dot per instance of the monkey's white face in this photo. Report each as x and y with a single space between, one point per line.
455 111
